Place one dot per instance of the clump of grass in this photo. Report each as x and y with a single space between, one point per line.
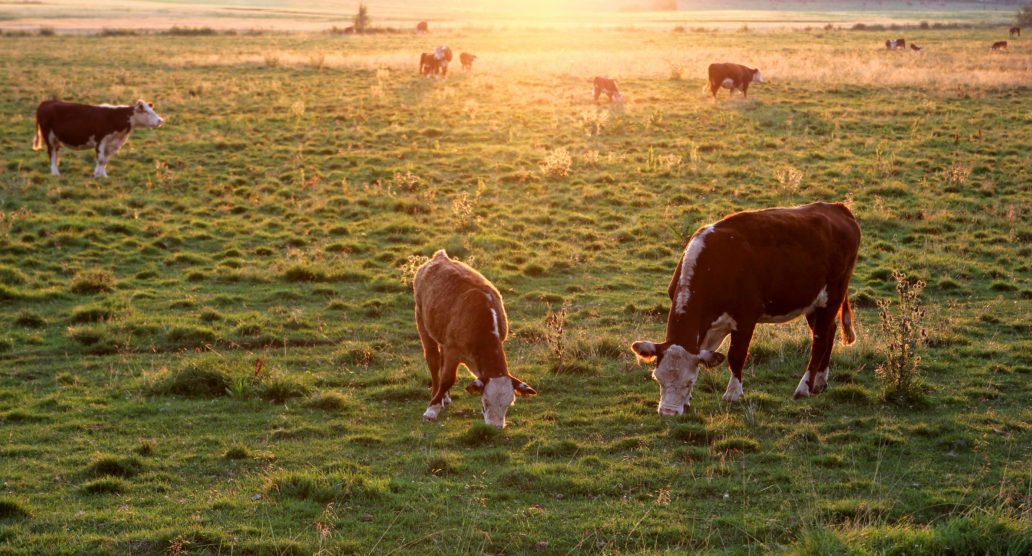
30 319
327 401
555 335
278 388
737 443
92 282
557 163
115 466
237 451
409 267
902 327
464 211
205 378
145 447
481 434
789 177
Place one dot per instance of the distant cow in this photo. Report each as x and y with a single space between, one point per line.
732 76
82 126
443 55
421 28
915 49
999 45
467 59
461 320
893 45
1015 31
607 86
764 266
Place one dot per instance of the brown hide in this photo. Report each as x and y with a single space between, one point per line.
74 124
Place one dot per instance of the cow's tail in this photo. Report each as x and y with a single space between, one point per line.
848 334
37 141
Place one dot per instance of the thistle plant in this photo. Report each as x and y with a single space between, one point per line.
902 325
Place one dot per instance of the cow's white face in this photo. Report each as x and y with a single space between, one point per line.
756 77
676 373
618 98
498 396
145 116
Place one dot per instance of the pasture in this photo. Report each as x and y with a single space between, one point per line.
213 351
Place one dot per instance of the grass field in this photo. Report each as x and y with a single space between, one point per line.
213 351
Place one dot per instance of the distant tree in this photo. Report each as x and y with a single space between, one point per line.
362 18
1025 15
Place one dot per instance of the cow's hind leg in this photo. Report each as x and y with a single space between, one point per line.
53 152
736 355
822 326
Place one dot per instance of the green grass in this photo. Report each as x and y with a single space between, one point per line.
214 349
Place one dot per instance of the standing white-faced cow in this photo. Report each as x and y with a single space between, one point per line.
443 55
461 320
83 126
732 76
755 267
606 86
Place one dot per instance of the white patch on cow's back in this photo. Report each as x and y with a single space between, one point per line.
718 330
803 390
734 390
820 301
691 256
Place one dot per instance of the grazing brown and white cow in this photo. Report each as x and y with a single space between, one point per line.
914 49
83 126
764 266
443 55
467 60
421 28
1015 31
893 45
732 76
461 320
607 86
999 45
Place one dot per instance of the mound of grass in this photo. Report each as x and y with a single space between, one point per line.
12 509
692 433
481 434
105 485
325 488
279 388
204 378
30 319
237 451
737 443
115 466
327 401
92 282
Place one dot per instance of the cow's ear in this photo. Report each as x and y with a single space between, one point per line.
710 358
475 387
522 388
139 105
648 351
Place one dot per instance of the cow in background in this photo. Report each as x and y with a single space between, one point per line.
427 64
999 45
914 49
893 45
82 126
443 55
608 87
1015 31
732 76
762 266
467 59
461 320
421 28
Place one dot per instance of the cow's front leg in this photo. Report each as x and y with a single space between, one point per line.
446 378
102 157
736 355
53 162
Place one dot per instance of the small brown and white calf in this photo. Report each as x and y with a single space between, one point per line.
894 44
607 86
732 76
1015 31
82 126
427 64
914 49
467 60
999 45
461 320
764 266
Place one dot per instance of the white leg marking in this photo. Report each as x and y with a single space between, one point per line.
803 390
432 412
821 382
734 390
447 399
53 164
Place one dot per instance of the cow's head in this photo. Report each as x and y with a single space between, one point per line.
756 77
618 98
676 372
145 116
497 394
